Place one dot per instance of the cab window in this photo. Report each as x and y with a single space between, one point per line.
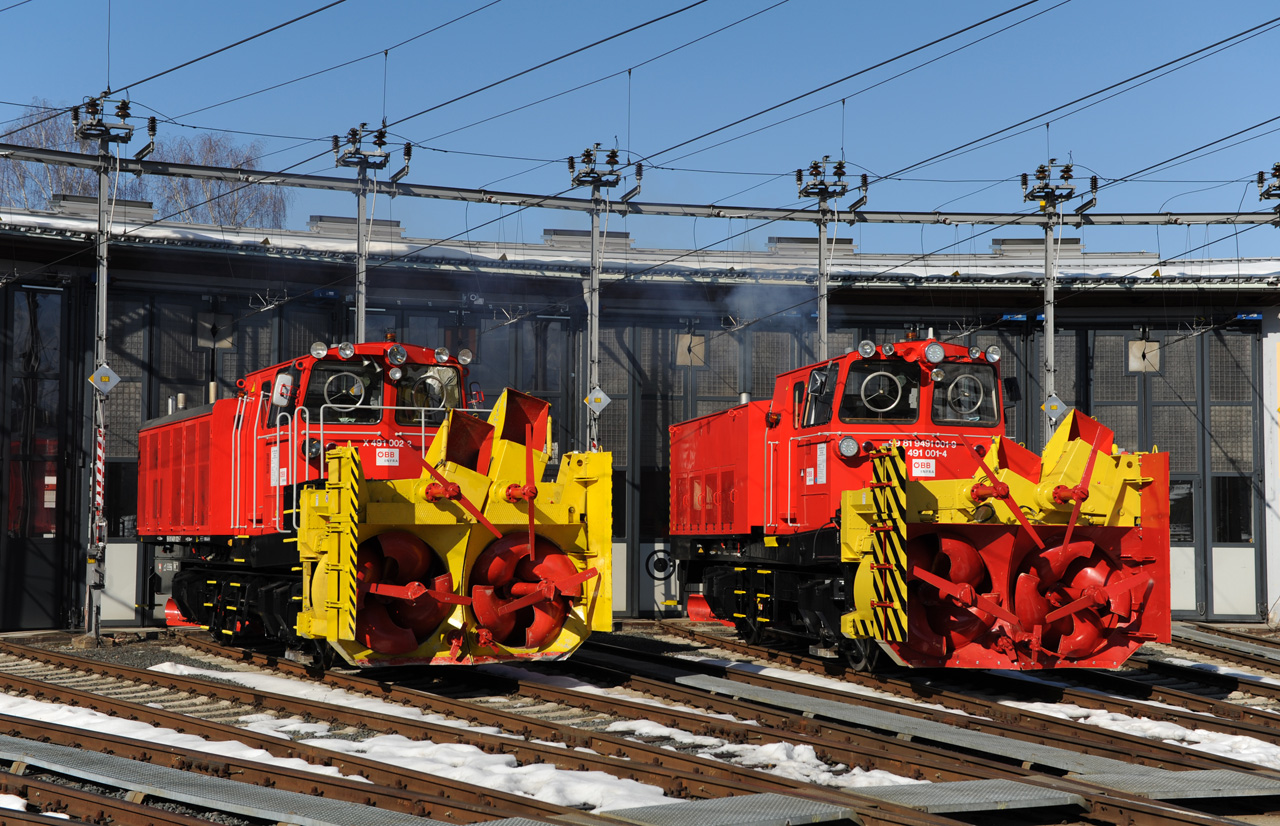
426 393
881 391
819 393
966 394
350 392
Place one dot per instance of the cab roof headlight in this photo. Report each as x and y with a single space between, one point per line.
848 447
319 350
937 374
465 356
867 349
396 354
887 349
975 352
346 350
933 353
442 354
395 373
993 353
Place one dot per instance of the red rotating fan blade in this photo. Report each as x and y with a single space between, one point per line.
1007 496
376 630
368 571
922 637
964 595
488 608
409 556
965 562
1086 636
548 619
1052 564
1029 602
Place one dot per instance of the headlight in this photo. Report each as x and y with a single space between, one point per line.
937 374
993 353
867 349
346 350
442 354
312 448
933 353
887 349
465 356
319 350
396 354
848 447
395 373
975 353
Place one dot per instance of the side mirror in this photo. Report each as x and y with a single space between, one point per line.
817 381
282 393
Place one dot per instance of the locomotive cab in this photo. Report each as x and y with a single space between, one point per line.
875 507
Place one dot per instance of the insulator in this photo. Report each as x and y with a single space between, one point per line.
75 118
799 176
815 170
864 180
1024 180
353 136
1042 173
91 108
1066 173
1275 171
122 110
639 170
1262 179
1093 184
588 157
336 144
151 126
839 169
612 157
408 152
380 138
572 166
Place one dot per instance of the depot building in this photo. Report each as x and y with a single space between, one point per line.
1182 356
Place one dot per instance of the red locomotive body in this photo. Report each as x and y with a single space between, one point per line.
874 505
345 502
229 468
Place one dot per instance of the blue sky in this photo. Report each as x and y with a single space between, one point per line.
60 50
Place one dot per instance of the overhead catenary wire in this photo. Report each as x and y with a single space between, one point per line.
341 65
825 86
183 65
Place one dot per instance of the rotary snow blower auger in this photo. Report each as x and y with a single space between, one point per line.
475 561
1034 562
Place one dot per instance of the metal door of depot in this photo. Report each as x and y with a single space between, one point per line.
1195 396
34 486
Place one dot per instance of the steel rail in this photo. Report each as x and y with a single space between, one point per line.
1226 683
387 786
88 807
864 749
1106 805
1005 721
690 777
1113 692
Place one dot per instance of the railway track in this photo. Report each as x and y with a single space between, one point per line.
524 704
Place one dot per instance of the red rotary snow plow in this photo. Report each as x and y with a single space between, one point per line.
1034 562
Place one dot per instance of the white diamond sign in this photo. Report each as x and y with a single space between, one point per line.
103 379
597 400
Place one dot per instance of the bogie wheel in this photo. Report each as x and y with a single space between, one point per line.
751 631
862 656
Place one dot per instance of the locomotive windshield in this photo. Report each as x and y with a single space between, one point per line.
352 391
966 394
427 392
881 391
